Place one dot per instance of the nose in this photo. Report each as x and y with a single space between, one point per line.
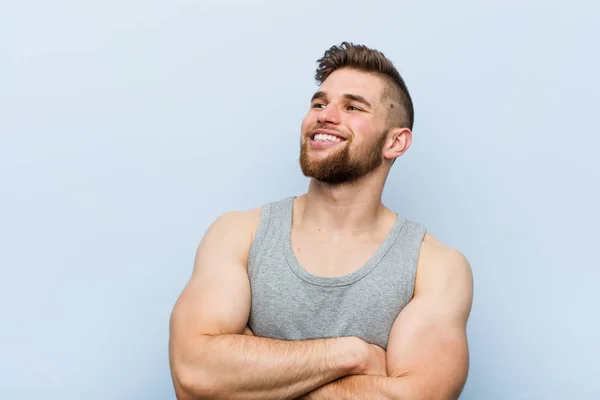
330 114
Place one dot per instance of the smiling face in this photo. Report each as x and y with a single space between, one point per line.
344 132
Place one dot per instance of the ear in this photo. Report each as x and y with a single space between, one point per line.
398 141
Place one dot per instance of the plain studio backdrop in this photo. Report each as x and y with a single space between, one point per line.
127 127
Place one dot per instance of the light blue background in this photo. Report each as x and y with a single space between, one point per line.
128 126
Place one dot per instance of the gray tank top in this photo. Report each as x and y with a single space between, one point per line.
290 303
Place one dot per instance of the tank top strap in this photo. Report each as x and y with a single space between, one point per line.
272 226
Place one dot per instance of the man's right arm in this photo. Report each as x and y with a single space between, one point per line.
210 356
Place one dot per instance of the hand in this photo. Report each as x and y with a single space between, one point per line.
376 363
248 332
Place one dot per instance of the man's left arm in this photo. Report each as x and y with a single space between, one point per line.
427 353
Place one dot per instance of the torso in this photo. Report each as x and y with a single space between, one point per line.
307 283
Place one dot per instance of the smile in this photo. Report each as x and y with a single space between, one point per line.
323 137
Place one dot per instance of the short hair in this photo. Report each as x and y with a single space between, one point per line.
365 59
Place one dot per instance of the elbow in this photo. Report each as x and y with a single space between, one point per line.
414 387
196 374
195 382
187 387
192 382
191 376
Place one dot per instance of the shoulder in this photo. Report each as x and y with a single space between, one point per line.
444 272
231 232
236 224
435 254
237 219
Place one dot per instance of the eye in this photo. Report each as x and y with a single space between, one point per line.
353 108
318 105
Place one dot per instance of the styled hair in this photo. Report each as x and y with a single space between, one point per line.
362 58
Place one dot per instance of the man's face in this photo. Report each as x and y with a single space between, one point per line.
344 131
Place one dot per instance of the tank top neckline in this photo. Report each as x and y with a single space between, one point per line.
342 280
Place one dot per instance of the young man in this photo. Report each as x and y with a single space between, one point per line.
328 295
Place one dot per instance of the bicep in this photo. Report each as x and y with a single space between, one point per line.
427 349
428 341
216 300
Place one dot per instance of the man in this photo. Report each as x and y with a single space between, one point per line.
328 295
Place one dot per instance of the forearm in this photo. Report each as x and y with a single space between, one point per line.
249 367
364 387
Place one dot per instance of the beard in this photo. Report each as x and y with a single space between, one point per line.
342 166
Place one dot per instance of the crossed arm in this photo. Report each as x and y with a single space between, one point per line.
427 354
212 358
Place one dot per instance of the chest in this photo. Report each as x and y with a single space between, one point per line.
329 255
287 309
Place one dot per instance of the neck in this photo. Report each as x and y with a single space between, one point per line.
352 208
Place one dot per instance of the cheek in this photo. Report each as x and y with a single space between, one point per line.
363 130
310 119
307 122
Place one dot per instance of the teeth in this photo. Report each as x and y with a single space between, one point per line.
322 137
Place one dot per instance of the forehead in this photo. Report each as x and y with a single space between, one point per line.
350 81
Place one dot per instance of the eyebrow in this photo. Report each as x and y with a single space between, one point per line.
358 99
321 95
